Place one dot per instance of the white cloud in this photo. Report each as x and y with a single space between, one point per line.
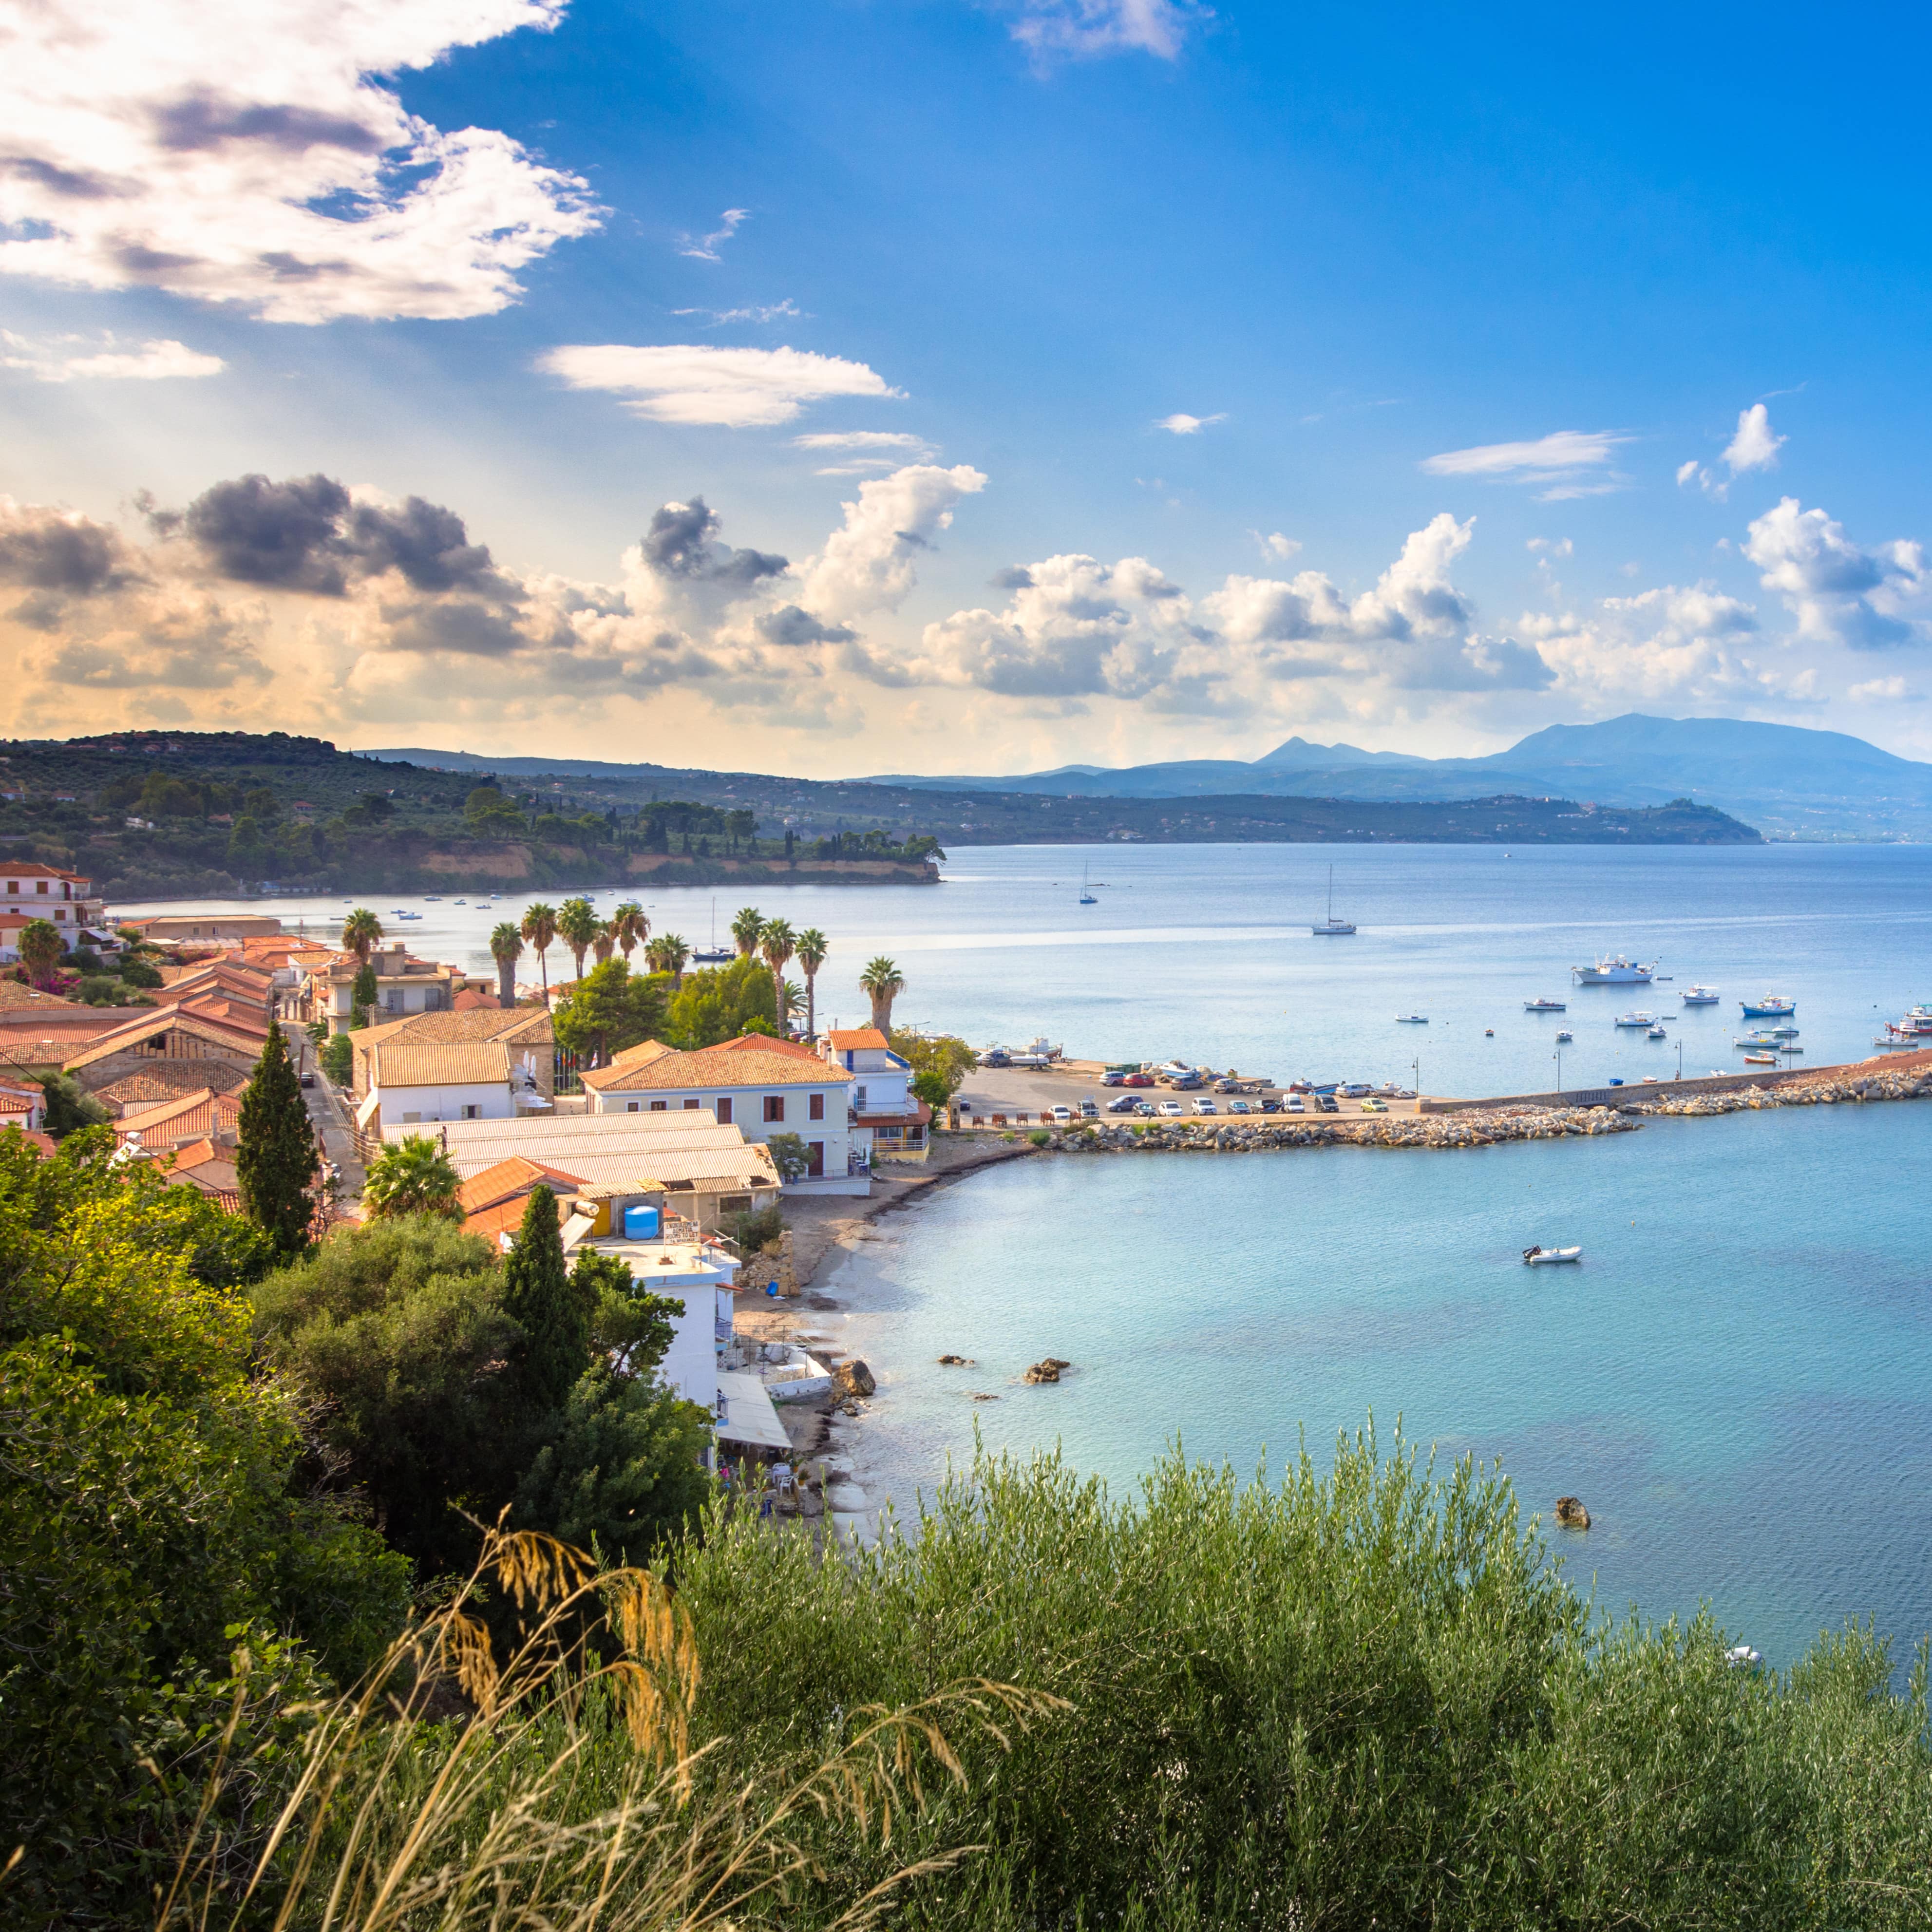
868 563
296 186
704 247
864 439
1275 546
1753 447
1181 424
158 361
786 310
741 388
1550 547
1840 593
1564 451
1687 472
1082 29
1885 690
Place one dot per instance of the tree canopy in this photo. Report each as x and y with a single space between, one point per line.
609 1008
718 1003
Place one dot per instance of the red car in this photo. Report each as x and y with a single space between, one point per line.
1137 1080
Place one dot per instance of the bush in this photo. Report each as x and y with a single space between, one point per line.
139 972
1039 1137
789 1155
337 1059
755 1230
69 1106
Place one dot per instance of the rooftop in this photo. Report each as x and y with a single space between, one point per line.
750 1062
420 1063
854 1039
509 1179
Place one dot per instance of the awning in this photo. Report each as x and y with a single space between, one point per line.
746 1413
366 1112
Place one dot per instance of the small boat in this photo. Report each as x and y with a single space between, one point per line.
1615 971
1489 1033
1656 1032
1331 927
1741 1657
1644 1020
1699 996
1545 1005
1539 1257
1768 1006
1086 895
1760 1060
1411 1019
432 898
1790 1046
1564 1035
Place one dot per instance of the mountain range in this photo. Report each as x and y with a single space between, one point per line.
1786 779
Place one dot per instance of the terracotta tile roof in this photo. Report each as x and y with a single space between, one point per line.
510 1179
45 1141
21 1083
13 994
416 1062
191 1026
733 1066
475 1000
32 868
192 1117
642 1055
527 1024
852 1040
760 1042
506 1217
23 1104
169 1080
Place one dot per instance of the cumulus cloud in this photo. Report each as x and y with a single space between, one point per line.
1086 29
1839 593
1885 690
1180 423
705 247
683 543
870 562
1753 446
296 188
161 360
1275 547
59 552
739 388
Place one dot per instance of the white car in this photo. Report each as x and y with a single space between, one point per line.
1205 1107
1063 1117
1293 1105
1170 1109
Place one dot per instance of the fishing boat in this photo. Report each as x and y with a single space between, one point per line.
1646 1021
1540 1257
1411 1019
1760 1060
1615 971
1331 927
1545 1005
1086 894
1768 1006
1699 996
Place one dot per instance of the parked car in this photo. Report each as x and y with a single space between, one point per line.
1239 1107
1294 1104
1136 1079
307 1078
1224 1085
1187 1083
1125 1104
1372 1105
1273 1106
1088 1111
1354 1090
1170 1108
1205 1106
1063 1117
1145 1108
996 1056
1328 1103
1113 1080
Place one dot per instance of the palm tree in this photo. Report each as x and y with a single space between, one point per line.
882 982
361 934
667 953
812 948
539 928
605 944
412 1177
776 945
746 929
629 927
577 924
506 947
40 946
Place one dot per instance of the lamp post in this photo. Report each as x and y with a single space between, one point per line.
1559 1070
1415 1068
1680 1060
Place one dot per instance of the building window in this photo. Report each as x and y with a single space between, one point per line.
735 1204
410 1120
723 1111
660 1106
690 1106
40 885
886 1133
774 1106
60 913
630 1106
815 1107
472 1113
915 1137
814 1165
394 1000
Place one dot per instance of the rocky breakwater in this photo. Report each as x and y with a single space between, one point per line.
1472 1128
1825 1090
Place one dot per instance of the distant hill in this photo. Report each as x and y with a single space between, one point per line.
1784 778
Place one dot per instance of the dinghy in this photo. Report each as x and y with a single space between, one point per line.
1537 1257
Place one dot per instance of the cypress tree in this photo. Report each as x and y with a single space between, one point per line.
554 1314
275 1162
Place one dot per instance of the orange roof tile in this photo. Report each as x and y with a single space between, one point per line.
510 1179
849 1039
739 1063
761 1043
44 1141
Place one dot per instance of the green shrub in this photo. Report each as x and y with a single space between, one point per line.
753 1231
136 972
337 1059
1039 1137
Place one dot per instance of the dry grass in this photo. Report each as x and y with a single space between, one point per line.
460 1788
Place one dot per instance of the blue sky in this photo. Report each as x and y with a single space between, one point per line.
1179 379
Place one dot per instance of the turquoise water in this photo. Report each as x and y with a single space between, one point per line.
1737 1379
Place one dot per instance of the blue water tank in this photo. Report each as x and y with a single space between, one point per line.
640 1224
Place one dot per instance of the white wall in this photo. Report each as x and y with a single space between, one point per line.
441 1103
747 1115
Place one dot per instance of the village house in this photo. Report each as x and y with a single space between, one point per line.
23 1102
404 985
526 1032
29 890
172 1034
414 1082
203 1115
165 927
762 1086
888 1122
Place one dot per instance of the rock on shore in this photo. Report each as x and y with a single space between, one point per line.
1471 1129
1824 1090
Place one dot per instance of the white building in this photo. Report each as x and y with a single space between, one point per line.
762 1086
412 1083
887 1120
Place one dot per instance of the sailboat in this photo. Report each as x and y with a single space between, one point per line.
714 955
1086 897
1331 926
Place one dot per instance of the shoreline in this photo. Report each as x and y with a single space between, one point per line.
828 1244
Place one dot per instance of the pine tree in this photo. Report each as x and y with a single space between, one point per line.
275 1163
553 1312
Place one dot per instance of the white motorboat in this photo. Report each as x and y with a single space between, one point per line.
1411 1019
1700 996
1564 1036
1540 1257
1615 971
1331 927
1545 1005
1656 1031
1646 1021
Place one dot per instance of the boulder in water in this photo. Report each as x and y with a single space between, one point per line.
1571 1513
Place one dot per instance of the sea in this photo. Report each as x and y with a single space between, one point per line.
1737 1378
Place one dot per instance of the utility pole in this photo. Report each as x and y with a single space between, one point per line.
1559 1069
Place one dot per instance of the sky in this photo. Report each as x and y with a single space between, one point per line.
840 386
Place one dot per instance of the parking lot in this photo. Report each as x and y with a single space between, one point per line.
1020 1096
